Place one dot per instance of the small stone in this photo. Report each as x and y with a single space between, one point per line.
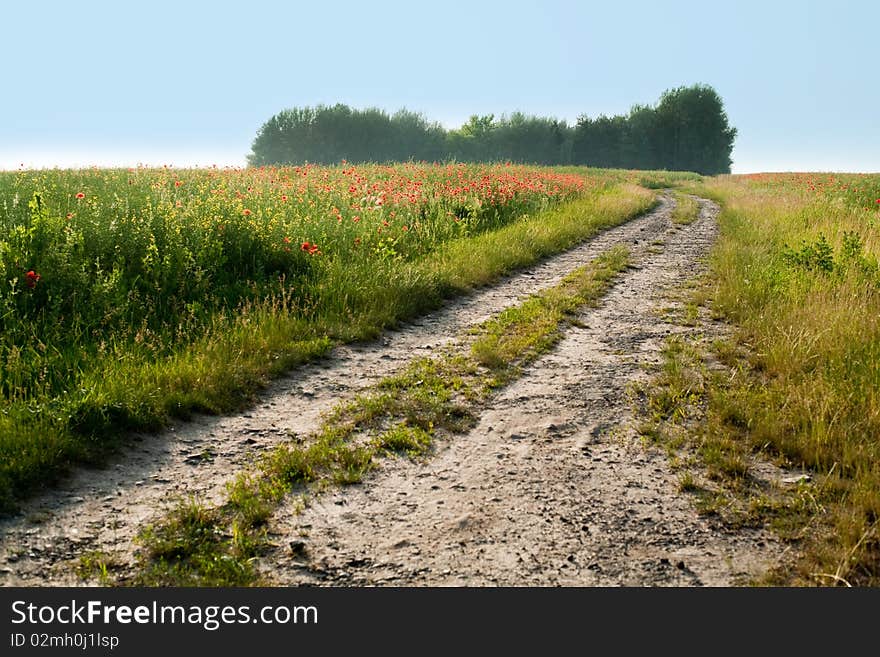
680 565
298 548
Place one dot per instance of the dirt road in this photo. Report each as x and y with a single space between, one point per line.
551 487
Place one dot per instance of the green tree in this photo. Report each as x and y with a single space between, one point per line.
696 133
687 129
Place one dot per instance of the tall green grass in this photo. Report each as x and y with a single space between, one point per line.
162 293
796 268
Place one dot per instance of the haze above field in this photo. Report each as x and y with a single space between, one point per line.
114 84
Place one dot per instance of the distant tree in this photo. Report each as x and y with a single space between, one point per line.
415 138
284 139
474 141
695 130
517 138
641 147
600 142
326 135
533 139
688 129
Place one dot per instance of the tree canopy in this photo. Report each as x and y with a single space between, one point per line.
687 130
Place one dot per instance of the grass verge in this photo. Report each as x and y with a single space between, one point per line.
798 381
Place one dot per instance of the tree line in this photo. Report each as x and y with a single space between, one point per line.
686 130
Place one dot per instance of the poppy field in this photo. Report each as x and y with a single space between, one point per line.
133 295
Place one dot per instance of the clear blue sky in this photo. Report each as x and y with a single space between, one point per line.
191 82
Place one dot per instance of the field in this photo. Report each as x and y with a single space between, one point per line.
796 271
130 296
136 299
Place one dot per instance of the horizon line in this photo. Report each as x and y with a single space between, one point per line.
242 164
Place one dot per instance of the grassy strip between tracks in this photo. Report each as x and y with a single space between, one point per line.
200 545
686 210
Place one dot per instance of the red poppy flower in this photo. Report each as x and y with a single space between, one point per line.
80 195
246 212
31 278
305 246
